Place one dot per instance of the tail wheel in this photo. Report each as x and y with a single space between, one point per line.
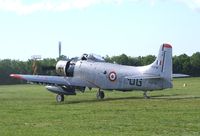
60 98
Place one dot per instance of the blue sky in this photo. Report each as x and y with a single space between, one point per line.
104 27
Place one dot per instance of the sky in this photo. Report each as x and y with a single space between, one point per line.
104 27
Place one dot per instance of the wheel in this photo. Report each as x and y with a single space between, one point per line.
100 95
60 98
145 95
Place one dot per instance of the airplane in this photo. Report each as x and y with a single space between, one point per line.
91 71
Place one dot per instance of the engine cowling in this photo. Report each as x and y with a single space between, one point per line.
61 68
65 68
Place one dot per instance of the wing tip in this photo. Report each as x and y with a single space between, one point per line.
16 76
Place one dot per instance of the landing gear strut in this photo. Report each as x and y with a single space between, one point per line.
145 95
100 94
60 98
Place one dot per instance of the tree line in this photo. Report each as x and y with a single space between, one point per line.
8 66
181 64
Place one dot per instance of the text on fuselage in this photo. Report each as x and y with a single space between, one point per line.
135 82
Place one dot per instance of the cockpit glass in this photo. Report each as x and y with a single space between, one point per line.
92 57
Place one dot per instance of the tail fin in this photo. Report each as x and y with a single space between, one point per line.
162 66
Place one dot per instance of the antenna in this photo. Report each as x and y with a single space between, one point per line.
59 48
34 66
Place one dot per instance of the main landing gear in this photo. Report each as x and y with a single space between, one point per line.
100 94
60 98
145 95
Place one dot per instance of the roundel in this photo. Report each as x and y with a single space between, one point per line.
112 76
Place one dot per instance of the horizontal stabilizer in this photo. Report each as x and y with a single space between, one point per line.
145 76
179 75
148 76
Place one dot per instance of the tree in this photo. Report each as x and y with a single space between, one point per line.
121 59
181 64
148 59
195 62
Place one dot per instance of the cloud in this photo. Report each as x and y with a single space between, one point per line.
22 8
193 4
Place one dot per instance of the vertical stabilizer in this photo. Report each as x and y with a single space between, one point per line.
162 66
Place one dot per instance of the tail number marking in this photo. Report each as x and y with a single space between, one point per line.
135 82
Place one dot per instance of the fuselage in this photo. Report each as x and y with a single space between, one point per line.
114 76
89 71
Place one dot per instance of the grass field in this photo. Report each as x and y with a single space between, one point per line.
30 110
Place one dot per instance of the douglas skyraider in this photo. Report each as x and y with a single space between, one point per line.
92 71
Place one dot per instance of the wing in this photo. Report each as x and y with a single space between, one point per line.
51 80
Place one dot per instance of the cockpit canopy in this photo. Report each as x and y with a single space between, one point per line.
92 57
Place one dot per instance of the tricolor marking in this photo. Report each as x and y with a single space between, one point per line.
112 76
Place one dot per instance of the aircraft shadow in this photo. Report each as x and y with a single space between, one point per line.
156 97
96 100
174 97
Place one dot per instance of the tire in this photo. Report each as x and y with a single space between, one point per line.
100 95
60 98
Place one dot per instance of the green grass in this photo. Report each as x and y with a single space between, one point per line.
31 110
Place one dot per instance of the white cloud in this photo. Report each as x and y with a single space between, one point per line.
193 4
22 8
